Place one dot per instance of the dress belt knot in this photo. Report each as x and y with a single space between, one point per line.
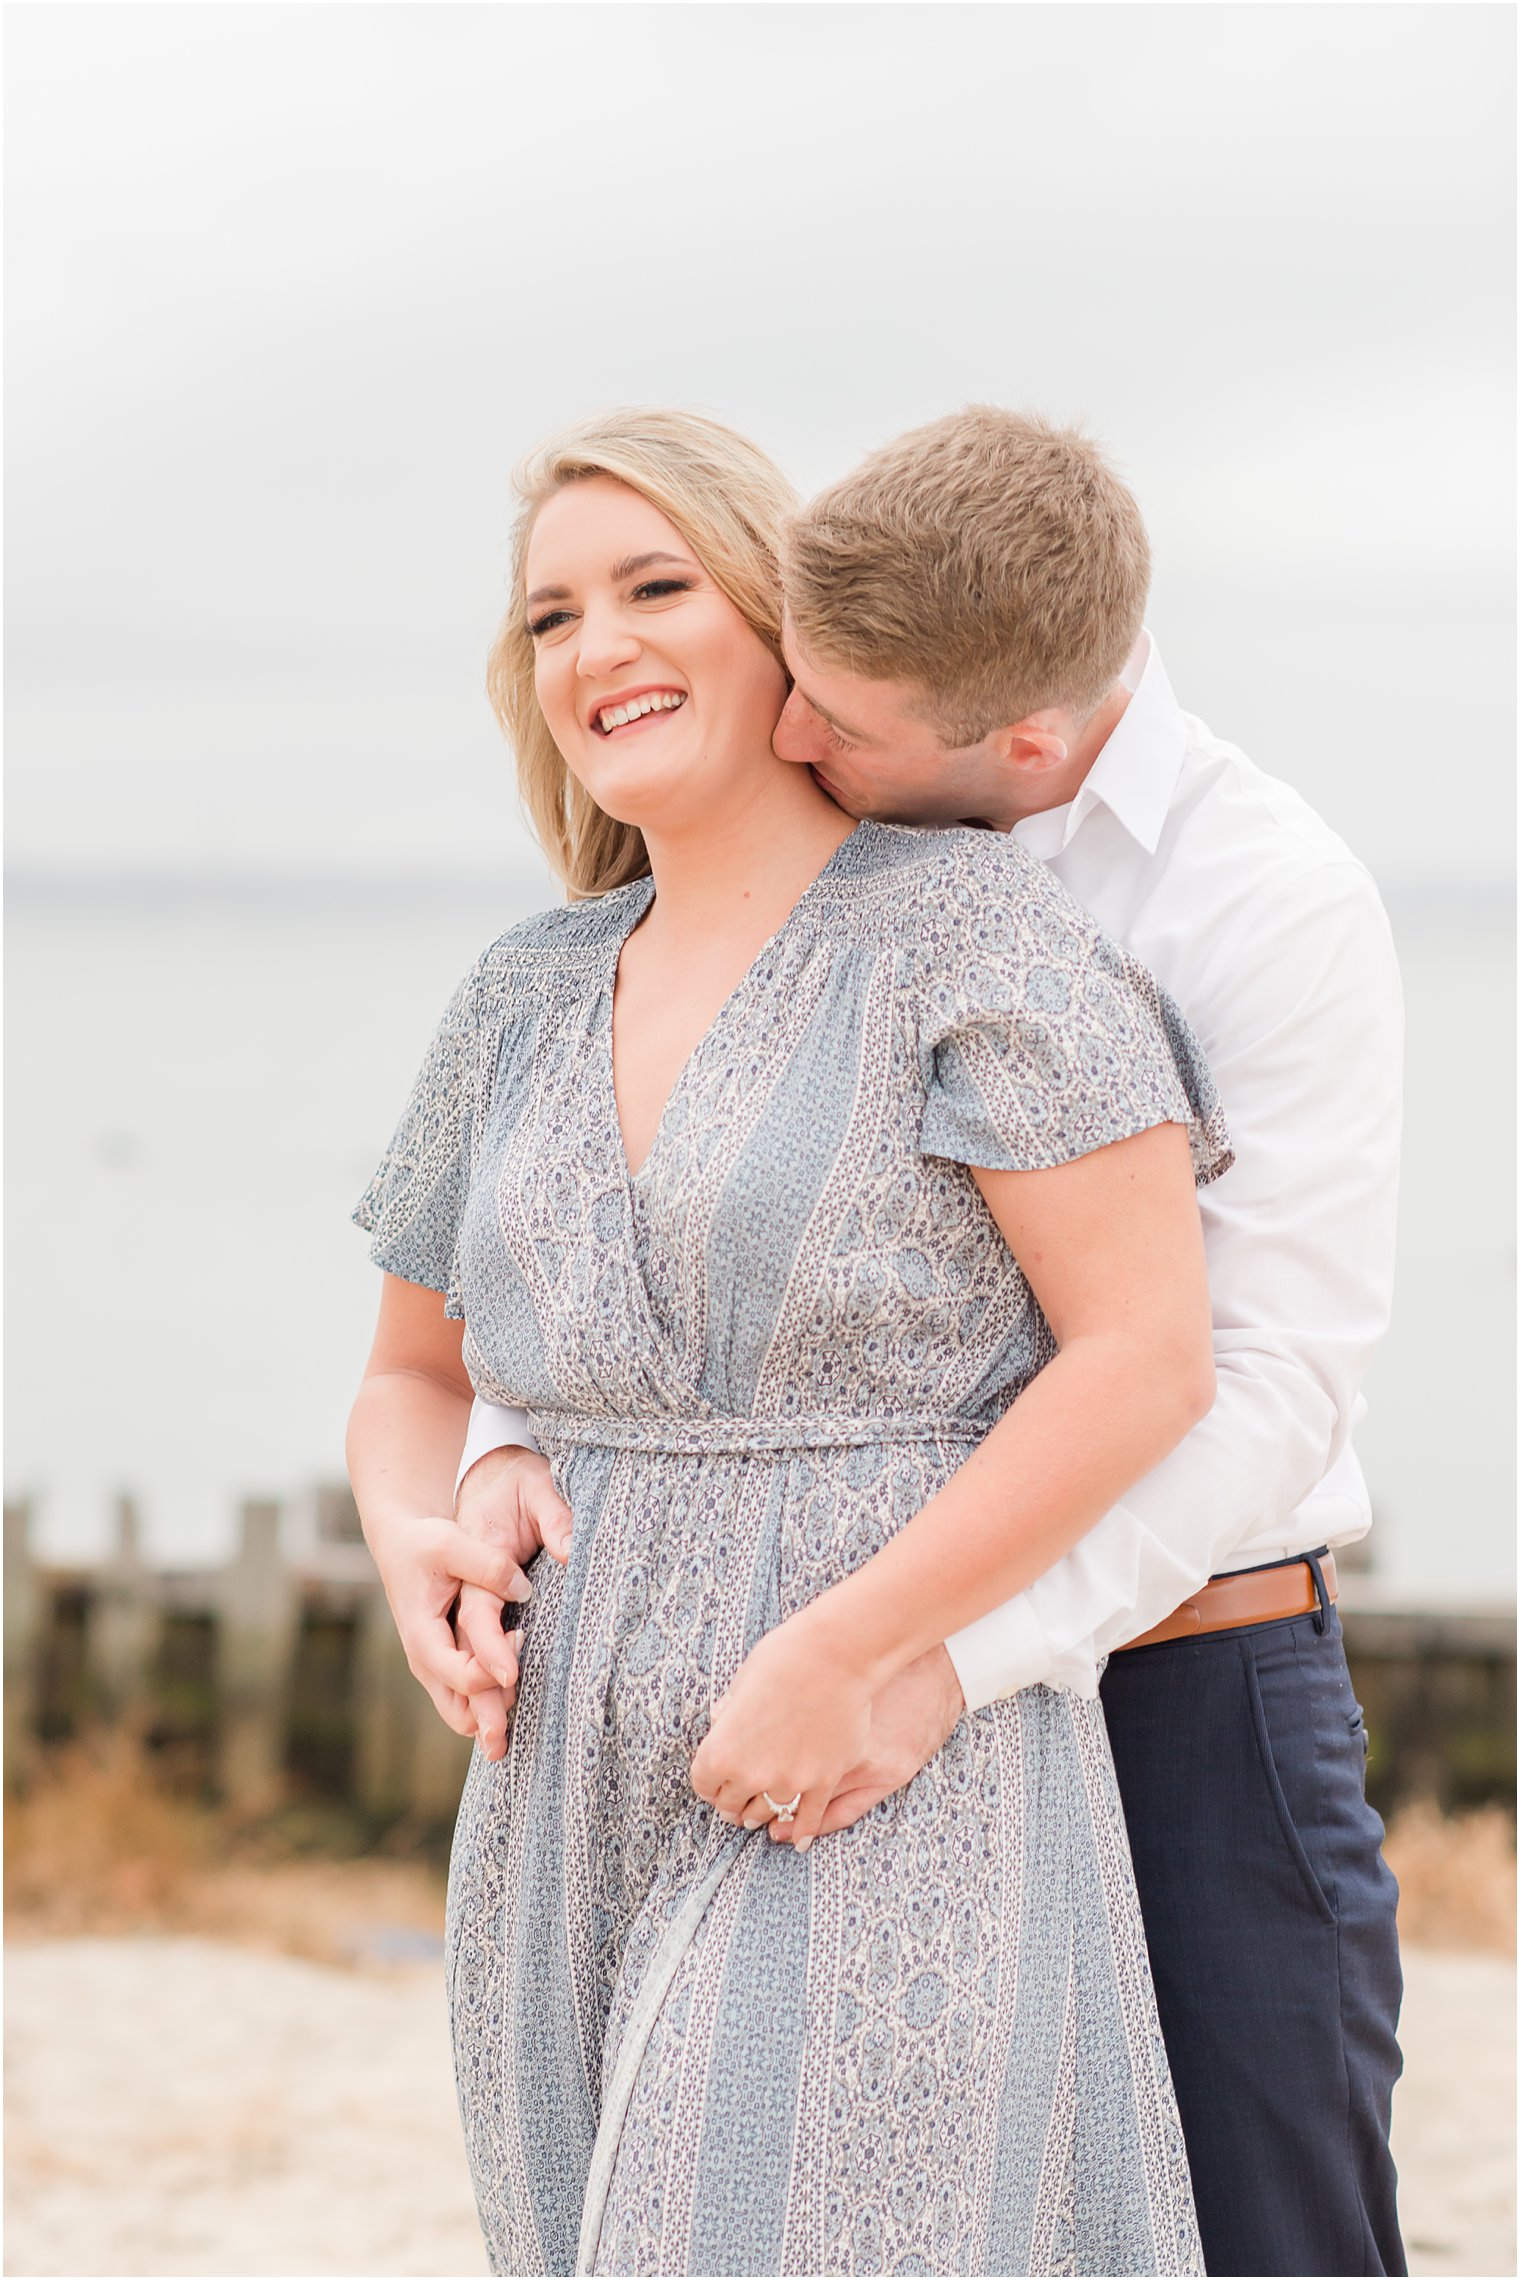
746 1436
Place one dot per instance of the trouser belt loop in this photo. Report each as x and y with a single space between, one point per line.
1322 1611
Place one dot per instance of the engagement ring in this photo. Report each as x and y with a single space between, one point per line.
783 1812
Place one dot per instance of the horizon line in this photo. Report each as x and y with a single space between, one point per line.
28 881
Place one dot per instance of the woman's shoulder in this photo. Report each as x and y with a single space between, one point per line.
946 892
559 940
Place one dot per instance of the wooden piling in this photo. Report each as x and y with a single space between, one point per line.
122 1628
23 1609
383 1712
297 1667
259 1609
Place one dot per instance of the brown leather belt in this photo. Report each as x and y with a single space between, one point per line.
1229 1602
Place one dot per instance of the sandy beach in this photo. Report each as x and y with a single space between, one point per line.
182 2106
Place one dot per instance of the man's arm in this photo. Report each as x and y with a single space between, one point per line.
1304 1030
492 1427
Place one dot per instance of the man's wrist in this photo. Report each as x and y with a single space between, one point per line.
939 1664
491 1464
1004 1651
492 1426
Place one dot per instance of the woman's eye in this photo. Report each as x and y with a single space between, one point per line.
651 590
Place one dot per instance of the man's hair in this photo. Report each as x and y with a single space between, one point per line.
991 558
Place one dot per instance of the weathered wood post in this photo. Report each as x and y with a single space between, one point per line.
259 1609
407 1759
23 1616
122 1630
383 1712
440 1761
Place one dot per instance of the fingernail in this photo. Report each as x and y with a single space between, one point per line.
800 1844
757 1824
519 1589
504 1677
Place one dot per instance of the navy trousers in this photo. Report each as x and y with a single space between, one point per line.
1269 1913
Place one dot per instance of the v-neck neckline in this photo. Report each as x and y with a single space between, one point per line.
719 1020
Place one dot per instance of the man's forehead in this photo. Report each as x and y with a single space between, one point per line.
850 702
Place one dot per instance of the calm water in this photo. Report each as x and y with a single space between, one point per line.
198 1089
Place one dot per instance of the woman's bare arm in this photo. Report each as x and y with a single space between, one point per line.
405 1434
1112 1247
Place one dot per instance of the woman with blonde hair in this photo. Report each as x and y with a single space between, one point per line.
825 1195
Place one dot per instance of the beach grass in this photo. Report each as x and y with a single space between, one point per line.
100 1842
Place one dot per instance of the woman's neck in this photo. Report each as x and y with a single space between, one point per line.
748 865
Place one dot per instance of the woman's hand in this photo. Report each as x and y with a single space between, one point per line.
508 1499
424 1564
796 1720
404 1438
478 1625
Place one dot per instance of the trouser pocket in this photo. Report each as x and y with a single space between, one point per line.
1288 1774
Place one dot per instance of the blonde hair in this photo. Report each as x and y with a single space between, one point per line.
991 558
729 502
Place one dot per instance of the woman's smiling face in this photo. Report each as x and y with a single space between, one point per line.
661 697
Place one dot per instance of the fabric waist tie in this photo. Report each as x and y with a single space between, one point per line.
746 1436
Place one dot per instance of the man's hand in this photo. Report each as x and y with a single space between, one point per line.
912 1718
506 1499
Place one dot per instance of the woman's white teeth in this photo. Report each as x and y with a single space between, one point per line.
617 716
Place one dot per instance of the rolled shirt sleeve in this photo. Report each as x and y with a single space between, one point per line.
492 1426
1304 1032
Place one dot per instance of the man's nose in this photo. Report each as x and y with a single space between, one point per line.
796 736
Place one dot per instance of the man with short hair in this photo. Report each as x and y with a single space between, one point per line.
965 639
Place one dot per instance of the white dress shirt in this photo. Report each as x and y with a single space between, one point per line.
1270 935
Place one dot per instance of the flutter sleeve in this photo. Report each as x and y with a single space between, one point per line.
1045 1039
414 1204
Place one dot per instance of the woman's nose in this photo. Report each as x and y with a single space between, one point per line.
608 643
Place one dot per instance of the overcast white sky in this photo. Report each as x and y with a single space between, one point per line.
291 287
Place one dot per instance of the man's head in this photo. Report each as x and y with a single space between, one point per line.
958 613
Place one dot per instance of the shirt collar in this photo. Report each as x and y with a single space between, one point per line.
1135 774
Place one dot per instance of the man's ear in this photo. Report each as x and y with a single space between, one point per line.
1034 745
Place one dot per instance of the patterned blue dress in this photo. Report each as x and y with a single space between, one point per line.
929 2045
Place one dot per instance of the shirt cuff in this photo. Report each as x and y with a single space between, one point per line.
1010 1649
492 1428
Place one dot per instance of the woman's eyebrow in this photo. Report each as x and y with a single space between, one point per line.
631 564
629 567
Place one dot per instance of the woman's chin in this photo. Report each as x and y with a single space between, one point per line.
629 794
676 801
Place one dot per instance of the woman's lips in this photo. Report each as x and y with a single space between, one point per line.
641 703
628 727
